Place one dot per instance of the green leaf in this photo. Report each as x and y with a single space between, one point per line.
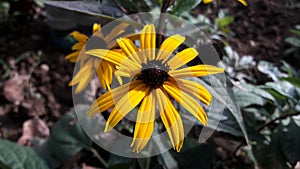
225 96
293 41
269 69
282 87
225 21
90 8
67 137
290 142
182 6
245 98
14 156
293 81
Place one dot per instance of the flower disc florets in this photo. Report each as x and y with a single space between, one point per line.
154 73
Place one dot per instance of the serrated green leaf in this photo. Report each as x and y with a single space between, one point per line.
15 156
182 6
67 137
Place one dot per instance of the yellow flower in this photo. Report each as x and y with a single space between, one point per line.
155 76
241 1
89 65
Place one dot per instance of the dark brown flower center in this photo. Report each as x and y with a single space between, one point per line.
154 73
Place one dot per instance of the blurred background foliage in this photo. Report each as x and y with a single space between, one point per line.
260 125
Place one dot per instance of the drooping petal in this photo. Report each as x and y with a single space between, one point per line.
196 71
73 56
110 98
83 76
128 102
78 46
182 58
148 41
105 73
79 36
171 119
144 125
113 57
168 46
193 88
130 49
189 103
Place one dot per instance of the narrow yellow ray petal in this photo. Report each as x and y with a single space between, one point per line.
72 56
78 46
84 81
171 119
129 48
196 71
168 46
101 77
114 57
129 101
79 36
186 101
108 99
144 124
193 88
148 39
243 2
207 1
87 67
116 31
182 58
96 27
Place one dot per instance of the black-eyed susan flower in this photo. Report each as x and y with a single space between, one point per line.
89 64
155 77
241 1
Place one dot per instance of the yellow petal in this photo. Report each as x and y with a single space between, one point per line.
115 32
78 46
96 27
207 1
193 88
182 58
168 46
79 36
148 41
243 2
196 71
129 48
105 72
113 57
73 56
144 125
83 76
171 119
186 101
128 102
108 99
